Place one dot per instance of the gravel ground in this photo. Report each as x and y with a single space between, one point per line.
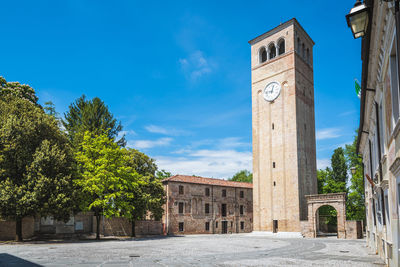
195 250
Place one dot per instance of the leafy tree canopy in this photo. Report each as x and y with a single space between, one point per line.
355 206
36 163
242 176
22 91
93 116
106 179
163 174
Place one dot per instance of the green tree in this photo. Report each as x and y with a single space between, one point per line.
22 91
336 181
106 178
50 109
163 174
322 179
36 164
143 164
149 196
355 206
242 176
93 116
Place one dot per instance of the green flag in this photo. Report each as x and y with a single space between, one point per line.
358 88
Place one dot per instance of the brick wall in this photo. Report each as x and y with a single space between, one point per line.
194 216
7 229
122 227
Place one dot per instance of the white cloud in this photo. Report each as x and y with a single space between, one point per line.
167 131
207 163
156 129
327 133
142 144
196 65
323 163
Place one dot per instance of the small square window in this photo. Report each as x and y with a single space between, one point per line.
207 192
241 225
180 207
241 210
207 226
181 190
241 194
181 227
223 192
207 208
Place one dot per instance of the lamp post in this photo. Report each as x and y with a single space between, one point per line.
358 19
353 170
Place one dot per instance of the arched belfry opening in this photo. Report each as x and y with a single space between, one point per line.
263 55
326 221
281 47
272 51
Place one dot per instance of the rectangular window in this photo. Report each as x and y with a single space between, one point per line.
394 85
180 208
381 130
181 190
181 227
207 226
223 192
374 210
241 194
207 192
241 225
398 197
223 210
207 208
273 164
241 210
216 224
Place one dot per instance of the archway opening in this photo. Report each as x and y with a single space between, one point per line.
326 221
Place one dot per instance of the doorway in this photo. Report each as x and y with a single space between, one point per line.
224 227
326 221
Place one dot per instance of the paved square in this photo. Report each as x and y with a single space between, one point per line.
196 250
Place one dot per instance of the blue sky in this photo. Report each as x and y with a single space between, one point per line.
177 73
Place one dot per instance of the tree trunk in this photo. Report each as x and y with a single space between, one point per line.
133 228
98 226
18 229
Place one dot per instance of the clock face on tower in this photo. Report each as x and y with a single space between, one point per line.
272 91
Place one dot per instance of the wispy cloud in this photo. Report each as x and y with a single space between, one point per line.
166 131
196 65
208 163
346 113
323 163
327 133
143 144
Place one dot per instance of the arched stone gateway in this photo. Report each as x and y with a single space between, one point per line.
314 202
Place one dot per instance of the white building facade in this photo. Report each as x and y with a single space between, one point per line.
379 132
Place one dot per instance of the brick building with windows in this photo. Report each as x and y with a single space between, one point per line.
198 205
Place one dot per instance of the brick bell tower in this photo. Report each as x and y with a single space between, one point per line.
284 157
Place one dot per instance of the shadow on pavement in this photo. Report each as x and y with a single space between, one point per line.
87 240
10 260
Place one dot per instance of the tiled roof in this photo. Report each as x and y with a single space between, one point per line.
203 180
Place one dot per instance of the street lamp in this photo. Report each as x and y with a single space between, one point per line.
357 19
353 170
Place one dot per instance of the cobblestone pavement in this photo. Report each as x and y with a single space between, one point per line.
204 250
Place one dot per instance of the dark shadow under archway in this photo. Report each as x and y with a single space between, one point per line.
326 223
